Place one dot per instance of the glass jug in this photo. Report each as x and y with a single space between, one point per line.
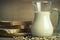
42 25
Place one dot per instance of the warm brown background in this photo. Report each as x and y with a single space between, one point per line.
21 10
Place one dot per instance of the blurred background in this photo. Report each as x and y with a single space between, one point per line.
20 10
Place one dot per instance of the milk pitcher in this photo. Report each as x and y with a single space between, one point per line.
42 25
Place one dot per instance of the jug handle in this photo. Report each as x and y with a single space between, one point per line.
58 19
